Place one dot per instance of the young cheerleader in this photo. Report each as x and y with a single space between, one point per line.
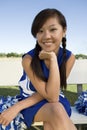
46 69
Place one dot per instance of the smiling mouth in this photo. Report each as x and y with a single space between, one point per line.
48 43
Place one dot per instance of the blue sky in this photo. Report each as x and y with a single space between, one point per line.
16 17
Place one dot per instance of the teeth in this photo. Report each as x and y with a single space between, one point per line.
47 43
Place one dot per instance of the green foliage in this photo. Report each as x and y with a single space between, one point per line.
82 56
2 55
12 54
11 91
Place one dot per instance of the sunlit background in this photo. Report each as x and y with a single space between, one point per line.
16 17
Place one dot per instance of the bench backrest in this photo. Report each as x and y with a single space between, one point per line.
11 71
78 74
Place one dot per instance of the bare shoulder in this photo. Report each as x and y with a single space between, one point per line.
72 59
37 82
26 60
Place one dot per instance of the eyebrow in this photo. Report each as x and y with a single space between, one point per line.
52 25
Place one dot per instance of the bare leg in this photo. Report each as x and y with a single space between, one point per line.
47 126
55 117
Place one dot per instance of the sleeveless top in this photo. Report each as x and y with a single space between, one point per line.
25 85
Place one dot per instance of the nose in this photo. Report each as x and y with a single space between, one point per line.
46 35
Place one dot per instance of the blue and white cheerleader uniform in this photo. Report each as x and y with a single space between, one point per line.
26 116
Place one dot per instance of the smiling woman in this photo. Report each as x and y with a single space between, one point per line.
45 71
50 35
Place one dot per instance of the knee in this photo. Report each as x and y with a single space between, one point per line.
57 110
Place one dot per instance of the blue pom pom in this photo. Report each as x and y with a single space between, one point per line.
81 103
18 122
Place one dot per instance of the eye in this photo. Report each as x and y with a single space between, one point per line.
53 29
40 31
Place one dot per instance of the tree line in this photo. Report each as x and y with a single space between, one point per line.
82 56
12 54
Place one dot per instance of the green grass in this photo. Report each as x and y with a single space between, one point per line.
14 90
70 93
73 88
9 90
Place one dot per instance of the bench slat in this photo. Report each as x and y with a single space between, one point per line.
78 118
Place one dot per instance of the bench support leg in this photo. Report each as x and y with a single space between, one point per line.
79 127
36 127
79 88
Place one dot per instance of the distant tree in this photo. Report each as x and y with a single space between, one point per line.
12 54
2 55
82 56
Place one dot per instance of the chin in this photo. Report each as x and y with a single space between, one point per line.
48 50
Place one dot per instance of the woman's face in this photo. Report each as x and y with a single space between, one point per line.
50 35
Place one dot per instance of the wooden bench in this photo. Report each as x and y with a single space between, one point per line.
77 76
78 119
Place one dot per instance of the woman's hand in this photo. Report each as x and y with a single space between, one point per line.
8 115
44 55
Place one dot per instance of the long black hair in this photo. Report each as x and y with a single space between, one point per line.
38 22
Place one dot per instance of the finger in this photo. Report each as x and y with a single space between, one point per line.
1 121
5 123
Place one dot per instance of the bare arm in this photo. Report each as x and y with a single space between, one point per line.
8 115
50 89
52 81
44 90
